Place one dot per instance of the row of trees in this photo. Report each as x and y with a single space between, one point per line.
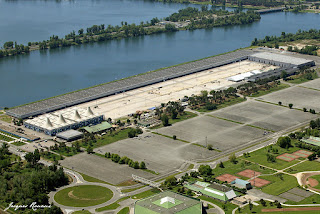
308 49
125 160
251 88
27 183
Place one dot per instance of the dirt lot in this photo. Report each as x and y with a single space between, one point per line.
298 96
161 154
264 115
102 168
220 134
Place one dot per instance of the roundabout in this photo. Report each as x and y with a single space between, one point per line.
83 195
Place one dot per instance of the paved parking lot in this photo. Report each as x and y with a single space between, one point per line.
264 115
221 134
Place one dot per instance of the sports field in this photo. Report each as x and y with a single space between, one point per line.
83 196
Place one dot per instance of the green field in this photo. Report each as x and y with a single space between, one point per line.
180 118
124 211
260 157
228 207
257 209
305 166
277 88
317 177
82 212
92 179
278 186
5 118
19 143
230 168
83 196
110 138
109 207
5 138
146 194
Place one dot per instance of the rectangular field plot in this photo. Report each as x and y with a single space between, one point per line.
161 154
312 84
219 133
264 115
300 98
102 168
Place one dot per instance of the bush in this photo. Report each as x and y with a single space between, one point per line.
174 137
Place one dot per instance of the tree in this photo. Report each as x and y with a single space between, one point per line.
312 157
8 45
233 159
284 142
170 27
174 137
283 75
280 103
143 165
221 164
271 158
90 150
132 133
165 120
290 105
250 205
136 165
205 170
263 202
170 182
209 147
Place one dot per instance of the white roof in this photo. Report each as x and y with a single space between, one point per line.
167 199
281 58
61 118
231 194
213 191
239 77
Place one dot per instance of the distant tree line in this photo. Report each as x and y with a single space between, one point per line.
99 33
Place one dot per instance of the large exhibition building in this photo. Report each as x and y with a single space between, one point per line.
62 120
168 202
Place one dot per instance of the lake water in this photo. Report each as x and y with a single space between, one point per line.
42 74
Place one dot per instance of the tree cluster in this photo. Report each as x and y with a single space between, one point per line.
26 183
134 132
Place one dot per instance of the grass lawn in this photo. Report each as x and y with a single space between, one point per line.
83 196
230 168
131 190
109 207
110 138
5 118
227 207
50 156
279 87
82 212
257 209
180 118
146 194
305 166
5 138
92 179
317 177
19 143
225 104
260 157
278 186
124 211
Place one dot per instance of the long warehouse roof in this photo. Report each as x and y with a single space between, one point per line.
111 88
281 58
